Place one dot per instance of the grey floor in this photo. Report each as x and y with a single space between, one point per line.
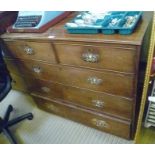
47 128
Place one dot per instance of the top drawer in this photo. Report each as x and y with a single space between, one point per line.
30 50
111 57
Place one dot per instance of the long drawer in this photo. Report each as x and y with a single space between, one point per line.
30 50
109 82
106 56
98 121
101 102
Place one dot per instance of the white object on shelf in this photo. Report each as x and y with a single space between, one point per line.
150 116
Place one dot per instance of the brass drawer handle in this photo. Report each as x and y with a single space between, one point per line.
14 82
28 50
94 80
90 57
45 89
98 103
100 123
37 69
52 107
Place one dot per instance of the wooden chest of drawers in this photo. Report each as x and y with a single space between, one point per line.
91 79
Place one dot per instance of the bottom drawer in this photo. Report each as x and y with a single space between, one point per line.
99 121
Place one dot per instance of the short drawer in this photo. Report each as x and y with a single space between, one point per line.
30 50
108 56
109 82
101 102
99 121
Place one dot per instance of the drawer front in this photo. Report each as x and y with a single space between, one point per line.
118 84
98 121
101 102
30 50
109 57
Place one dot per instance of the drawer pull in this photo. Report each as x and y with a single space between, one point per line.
37 70
90 57
13 82
100 123
45 89
28 50
98 103
94 80
52 107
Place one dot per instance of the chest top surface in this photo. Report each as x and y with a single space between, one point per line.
58 33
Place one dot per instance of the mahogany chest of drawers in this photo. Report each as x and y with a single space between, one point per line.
90 79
